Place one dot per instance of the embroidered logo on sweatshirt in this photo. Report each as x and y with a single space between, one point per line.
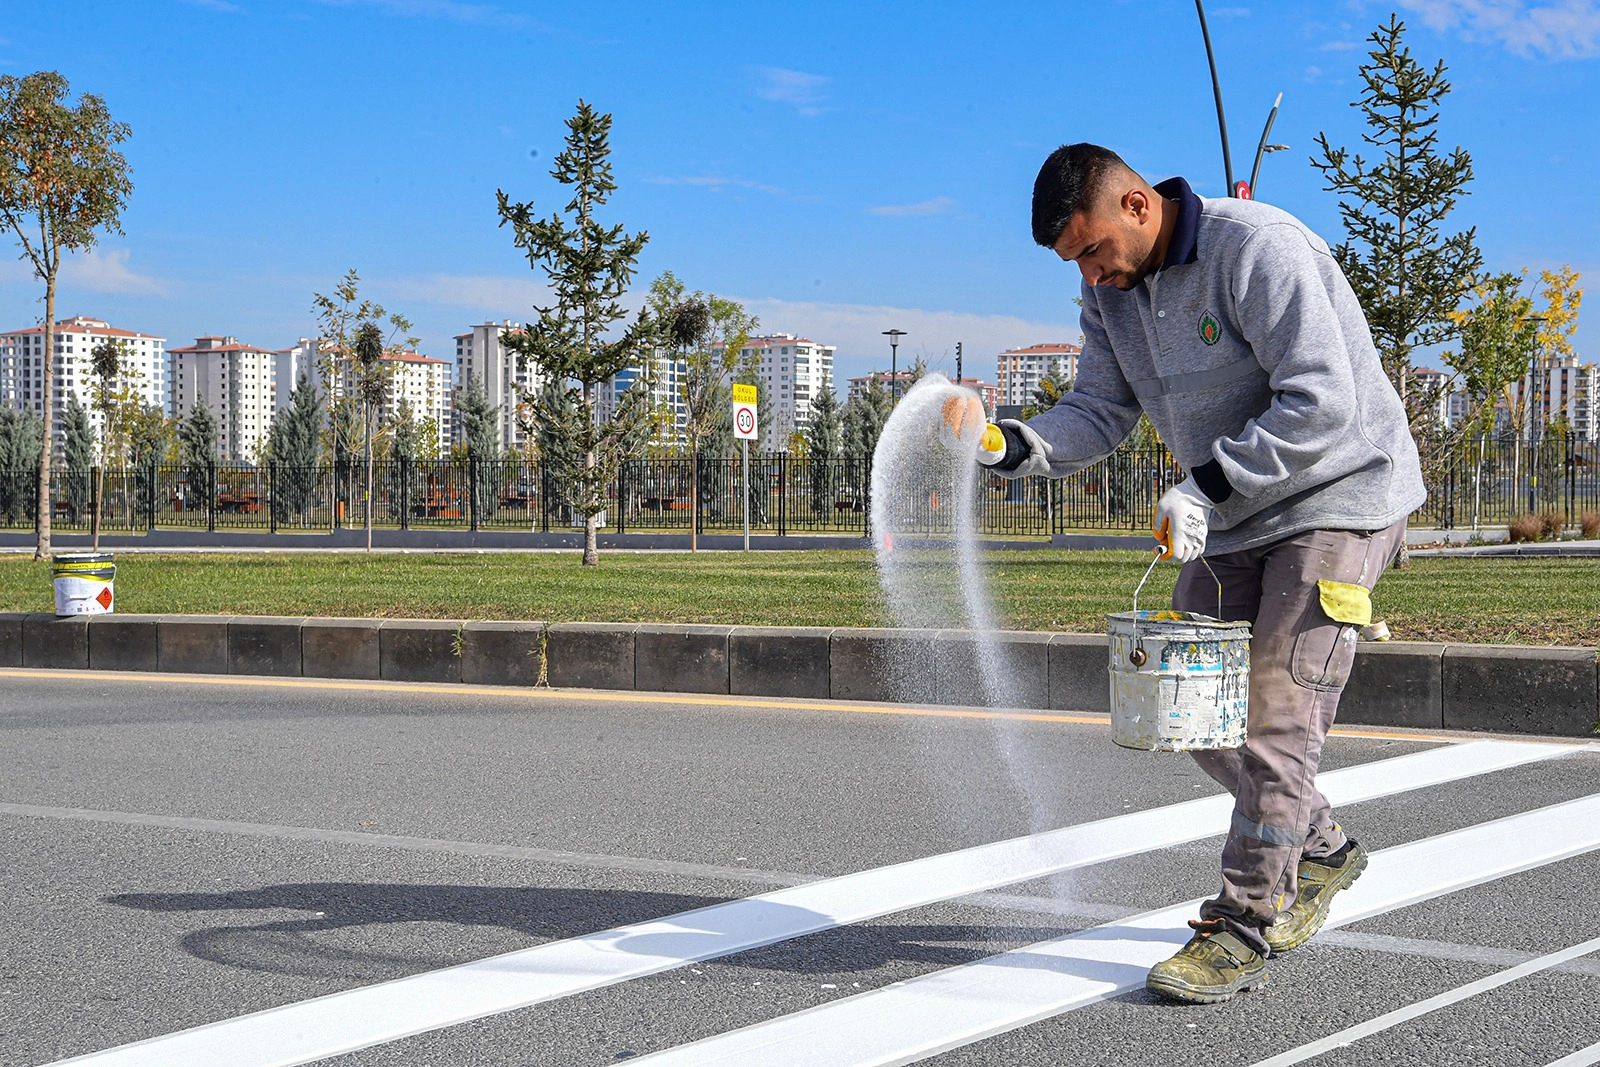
1210 329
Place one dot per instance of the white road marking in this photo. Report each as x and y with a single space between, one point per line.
1584 1057
924 1016
1350 1035
359 1018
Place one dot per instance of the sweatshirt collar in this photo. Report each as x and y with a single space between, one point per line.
1184 245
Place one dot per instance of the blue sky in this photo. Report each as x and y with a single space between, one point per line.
842 168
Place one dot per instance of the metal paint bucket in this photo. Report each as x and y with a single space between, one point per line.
84 584
1180 681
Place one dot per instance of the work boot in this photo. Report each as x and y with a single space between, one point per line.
1319 880
1211 968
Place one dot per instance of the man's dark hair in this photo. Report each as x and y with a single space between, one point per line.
1068 183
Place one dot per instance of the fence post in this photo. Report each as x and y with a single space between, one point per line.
783 494
405 492
211 495
272 494
472 491
150 496
622 496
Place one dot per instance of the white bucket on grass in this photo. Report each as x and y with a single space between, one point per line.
84 584
1179 681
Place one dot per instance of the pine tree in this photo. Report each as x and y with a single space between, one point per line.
295 443
824 438
552 419
863 421
589 267
198 438
21 439
78 450
480 424
1408 274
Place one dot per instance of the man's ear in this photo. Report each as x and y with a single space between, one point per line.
1137 204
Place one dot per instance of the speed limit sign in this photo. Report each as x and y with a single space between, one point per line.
744 412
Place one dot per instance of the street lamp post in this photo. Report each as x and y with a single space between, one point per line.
894 345
1263 148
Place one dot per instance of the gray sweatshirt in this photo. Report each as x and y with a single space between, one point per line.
1248 348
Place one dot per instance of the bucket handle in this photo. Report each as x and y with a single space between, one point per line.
1137 656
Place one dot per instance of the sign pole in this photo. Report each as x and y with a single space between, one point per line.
745 425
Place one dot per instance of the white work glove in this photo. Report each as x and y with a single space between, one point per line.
1013 450
1183 515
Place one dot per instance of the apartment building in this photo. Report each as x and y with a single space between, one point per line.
1018 370
22 366
1559 387
792 370
481 357
421 380
666 387
238 382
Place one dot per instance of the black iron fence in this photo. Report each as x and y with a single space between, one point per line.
1486 482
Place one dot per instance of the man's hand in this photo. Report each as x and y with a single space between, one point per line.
1013 450
1183 514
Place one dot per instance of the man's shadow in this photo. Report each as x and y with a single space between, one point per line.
292 945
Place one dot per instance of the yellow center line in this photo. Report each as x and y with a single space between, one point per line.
608 696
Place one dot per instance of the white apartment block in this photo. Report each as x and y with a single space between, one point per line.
22 366
481 357
290 363
238 382
792 370
421 380
1560 387
1019 369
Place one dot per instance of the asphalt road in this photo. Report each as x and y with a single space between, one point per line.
456 865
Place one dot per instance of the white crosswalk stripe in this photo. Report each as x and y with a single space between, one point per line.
913 1020
1351 1034
1584 1057
315 1029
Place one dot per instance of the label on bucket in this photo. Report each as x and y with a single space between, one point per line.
84 584
1178 682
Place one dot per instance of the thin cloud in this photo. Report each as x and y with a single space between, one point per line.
802 91
716 182
939 205
107 271
1565 29
498 296
448 10
1231 12
215 5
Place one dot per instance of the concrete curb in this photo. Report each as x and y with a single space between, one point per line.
1505 689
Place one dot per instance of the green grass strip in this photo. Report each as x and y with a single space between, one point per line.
1502 601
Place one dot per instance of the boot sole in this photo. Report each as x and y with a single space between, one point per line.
1173 989
1319 913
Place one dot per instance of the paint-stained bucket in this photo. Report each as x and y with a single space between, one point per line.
1180 681
84 584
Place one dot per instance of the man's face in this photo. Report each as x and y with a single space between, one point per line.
1114 243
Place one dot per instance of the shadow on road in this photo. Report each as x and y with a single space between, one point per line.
365 932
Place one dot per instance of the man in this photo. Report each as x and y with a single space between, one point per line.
1230 324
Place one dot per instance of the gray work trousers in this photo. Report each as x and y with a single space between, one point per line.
1300 659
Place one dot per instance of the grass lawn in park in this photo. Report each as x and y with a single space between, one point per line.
1508 600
